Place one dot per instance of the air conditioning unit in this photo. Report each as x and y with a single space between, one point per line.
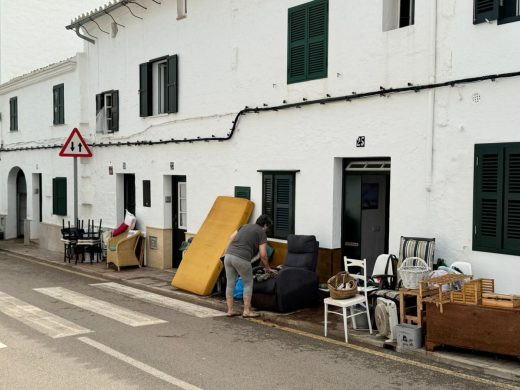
386 318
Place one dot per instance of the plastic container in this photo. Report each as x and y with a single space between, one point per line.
408 336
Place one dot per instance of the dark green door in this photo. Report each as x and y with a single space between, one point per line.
179 217
129 192
365 215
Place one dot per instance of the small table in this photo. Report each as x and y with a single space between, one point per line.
419 293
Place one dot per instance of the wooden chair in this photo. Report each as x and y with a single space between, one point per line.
349 303
121 249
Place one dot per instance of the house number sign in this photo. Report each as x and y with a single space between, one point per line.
360 141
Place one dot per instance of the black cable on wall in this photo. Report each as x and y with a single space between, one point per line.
353 96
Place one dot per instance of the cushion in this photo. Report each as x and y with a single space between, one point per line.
423 248
130 219
301 252
121 229
201 265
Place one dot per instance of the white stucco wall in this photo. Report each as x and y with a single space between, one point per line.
233 54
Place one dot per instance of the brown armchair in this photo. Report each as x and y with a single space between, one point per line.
121 250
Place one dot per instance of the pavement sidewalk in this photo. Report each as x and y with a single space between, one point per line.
308 320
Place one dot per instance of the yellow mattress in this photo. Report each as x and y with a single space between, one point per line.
201 265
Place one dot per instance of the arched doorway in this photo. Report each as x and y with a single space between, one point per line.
16 203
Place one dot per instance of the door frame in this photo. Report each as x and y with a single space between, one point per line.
365 172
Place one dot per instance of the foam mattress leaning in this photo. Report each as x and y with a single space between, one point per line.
201 265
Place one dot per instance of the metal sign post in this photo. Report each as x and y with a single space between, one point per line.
75 146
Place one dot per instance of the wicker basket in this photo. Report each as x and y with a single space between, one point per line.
412 271
342 286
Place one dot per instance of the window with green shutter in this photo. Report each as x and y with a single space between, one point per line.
243 192
58 100
307 46
278 202
59 196
158 86
504 11
496 200
13 114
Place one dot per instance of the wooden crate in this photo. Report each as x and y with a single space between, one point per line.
500 300
471 291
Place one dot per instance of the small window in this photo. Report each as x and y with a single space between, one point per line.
147 199
182 9
182 206
278 202
398 14
58 100
307 45
158 86
13 114
107 112
508 11
243 192
59 196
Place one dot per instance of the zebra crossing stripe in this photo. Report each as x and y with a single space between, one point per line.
2 346
106 309
38 319
160 300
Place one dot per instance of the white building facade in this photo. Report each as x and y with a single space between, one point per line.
358 130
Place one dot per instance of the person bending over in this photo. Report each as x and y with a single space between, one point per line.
242 246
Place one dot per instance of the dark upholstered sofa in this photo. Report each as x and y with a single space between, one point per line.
296 284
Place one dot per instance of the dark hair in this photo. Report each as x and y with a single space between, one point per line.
264 219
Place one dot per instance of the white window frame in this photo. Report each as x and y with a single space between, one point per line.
180 211
182 9
392 14
159 74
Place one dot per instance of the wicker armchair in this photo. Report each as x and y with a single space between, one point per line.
121 250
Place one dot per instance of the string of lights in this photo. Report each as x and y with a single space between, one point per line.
382 91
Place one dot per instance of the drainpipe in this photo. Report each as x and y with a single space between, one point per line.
431 100
84 36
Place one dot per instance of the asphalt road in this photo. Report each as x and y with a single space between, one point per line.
58 331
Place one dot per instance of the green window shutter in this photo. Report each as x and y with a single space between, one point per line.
11 114
13 110
267 195
145 89
115 111
512 199
283 205
243 192
172 86
59 196
55 104
58 100
61 104
485 10
297 44
318 39
488 192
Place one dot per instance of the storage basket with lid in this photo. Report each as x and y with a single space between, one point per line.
412 271
342 286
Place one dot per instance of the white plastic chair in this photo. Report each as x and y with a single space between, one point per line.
359 299
463 266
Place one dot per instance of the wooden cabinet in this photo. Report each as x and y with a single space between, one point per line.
481 328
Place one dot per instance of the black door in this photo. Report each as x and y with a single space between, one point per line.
179 217
21 203
129 192
365 215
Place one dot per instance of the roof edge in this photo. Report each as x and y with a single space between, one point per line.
38 75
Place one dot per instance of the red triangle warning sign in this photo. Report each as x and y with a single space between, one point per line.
75 146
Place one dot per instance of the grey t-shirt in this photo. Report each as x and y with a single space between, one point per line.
246 242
